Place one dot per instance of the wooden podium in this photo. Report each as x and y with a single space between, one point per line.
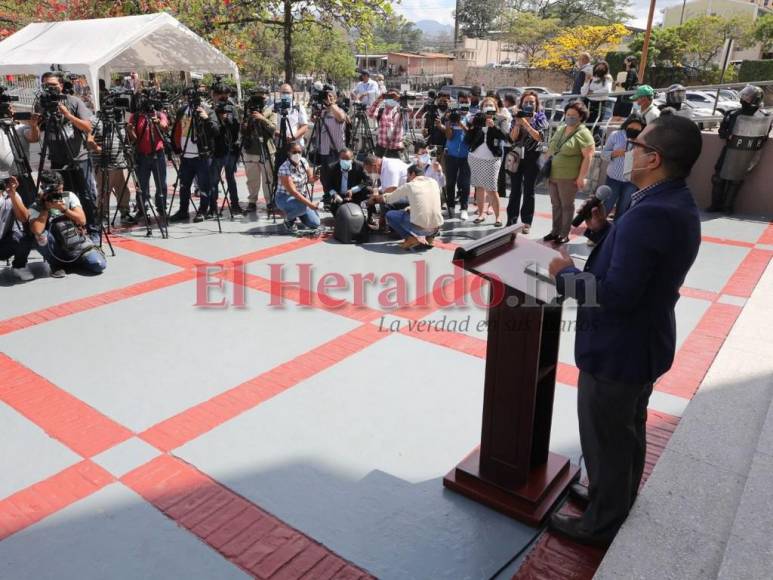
513 470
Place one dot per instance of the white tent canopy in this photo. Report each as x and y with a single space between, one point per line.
96 48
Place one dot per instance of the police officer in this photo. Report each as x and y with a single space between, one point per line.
745 131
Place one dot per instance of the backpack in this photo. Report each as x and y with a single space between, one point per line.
71 242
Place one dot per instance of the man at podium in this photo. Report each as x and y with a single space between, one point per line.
626 330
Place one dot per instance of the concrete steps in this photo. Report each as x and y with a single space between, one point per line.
706 510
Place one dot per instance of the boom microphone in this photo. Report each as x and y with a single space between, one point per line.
602 193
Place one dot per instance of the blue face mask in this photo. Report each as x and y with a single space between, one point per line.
346 164
528 108
286 98
390 103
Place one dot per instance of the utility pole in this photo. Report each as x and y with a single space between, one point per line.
646 44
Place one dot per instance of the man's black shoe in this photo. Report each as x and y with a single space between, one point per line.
180 216
571 527
551 237
198 218
252 207
236 209
579 492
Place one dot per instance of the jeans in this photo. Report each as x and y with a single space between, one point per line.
93 261
155 164
84 185
400 221
197 167
293 209
621 196
18 245
227 162
522 182
457 180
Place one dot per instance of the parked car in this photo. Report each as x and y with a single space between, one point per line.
706 101
454 90
502 91
697 111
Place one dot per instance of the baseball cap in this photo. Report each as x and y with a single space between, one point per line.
643 91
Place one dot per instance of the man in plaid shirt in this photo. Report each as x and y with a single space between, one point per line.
389 140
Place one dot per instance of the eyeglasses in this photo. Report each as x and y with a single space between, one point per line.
634 143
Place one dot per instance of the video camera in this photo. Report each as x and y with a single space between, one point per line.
5 102
117 98
256 100
49 99
150 100
345 103
194 95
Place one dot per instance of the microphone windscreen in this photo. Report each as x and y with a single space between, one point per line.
603 192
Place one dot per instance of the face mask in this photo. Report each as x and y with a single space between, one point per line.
572 121
489 110
346 164
464 106
629 170
374 177
528 108
442 107
390 103
632 133
424 159
295 158
636 108
286 98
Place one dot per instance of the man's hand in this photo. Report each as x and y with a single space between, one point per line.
59 205
65 111
35 118
257 116
202 113
10 185
559 263
489 121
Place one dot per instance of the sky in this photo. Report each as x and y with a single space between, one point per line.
441 10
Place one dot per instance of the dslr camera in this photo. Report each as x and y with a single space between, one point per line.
117 98
5 102
49 99
51 194
521 114
149 100
256 100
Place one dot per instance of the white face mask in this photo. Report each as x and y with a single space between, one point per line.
295 158
424 159
628 165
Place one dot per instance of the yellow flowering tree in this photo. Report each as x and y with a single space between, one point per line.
562 50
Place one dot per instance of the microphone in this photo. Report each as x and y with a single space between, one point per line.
602 193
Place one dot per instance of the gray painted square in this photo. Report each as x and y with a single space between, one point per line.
125 457
714 266
124 269
27 453
164 355
112 534
733 228
354 457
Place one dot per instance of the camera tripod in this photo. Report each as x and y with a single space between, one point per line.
22 169
75 180
361 139
230 141
315 139
113 129
285 131
409 134
204 152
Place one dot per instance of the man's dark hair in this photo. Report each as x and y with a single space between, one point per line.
476 90
48 74
345 150
635 118
50 178
462 95
415 170
418 144
680 141
371 159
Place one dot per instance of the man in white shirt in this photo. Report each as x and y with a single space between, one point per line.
366 90
644 99
391 173
419 222
297 121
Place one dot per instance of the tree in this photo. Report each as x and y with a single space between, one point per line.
576 12
706 36
667 47
763 32
325 52
564 47
478 17
393 34
529 34
291 16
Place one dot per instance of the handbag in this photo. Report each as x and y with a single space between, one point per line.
545 161
513 159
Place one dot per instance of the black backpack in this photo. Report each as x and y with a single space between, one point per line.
71 242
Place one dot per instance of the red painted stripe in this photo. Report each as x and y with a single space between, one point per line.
82 304
63 416
767 236
460 286
698 293
555 557
192 423
155 252
748 274
47 497
265 253
698 352
249 537
727 242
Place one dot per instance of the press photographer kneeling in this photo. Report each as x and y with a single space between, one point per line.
15 239
58 223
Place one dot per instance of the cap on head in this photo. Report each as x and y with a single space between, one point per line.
644 91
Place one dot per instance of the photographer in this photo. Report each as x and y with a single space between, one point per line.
258 130
296 123
15 240
367 91
389 118
194 130
15 149
110 167
57 221
68 116
457 167
331 133
527 135
294 175
145 129
226 150
488 131
435 119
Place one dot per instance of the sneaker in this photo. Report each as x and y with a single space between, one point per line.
198 218
290 227
23 274
59 273
463 215
127 218
236 209
526 229
180 216
252 207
